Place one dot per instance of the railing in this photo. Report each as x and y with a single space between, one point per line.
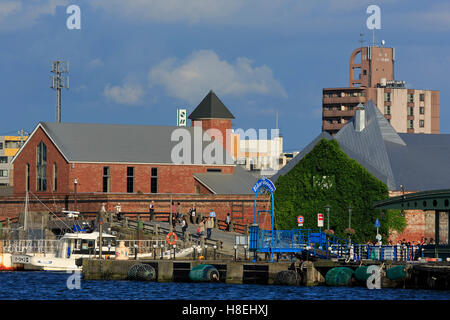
30 246
328 246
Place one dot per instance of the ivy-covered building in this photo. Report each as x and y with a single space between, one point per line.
404 162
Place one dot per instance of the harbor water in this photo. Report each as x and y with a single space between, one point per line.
53 286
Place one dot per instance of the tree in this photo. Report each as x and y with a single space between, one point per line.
328 176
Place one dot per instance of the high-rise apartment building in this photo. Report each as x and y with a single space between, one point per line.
371 77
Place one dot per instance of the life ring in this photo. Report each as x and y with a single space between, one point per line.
169 236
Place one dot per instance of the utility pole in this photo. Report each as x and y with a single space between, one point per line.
58 82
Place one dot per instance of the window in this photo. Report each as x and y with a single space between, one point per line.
410 97
422 110
422 97
55 177
27 177
410 111
410 124
421 123
387 110
130 179
106 180
3 159
154 181
3 173
213 170
1 145
41 167
387 97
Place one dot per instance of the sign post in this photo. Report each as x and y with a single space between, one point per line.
300 220
320 221
377 225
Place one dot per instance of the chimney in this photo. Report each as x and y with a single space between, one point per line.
360 119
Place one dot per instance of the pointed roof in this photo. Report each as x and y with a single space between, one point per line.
211 108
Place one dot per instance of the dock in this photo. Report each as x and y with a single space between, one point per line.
420 275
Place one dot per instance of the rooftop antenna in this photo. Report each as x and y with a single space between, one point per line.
361 40
58 82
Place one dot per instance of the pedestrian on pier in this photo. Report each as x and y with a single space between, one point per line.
228 222
209 227
212 215
184 226
118 213
151 210
192 214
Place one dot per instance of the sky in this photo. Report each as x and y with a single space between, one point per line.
138 61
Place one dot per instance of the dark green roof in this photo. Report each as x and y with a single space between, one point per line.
211 108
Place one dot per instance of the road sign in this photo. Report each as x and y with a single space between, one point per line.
377 223
320 219
300 219
378 237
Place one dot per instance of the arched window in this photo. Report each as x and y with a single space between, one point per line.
41 167
55 177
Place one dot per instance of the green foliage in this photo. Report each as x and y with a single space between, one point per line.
396 221
328 176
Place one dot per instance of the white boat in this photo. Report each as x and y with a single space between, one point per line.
64 253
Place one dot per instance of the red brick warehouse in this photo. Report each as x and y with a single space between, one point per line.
129 159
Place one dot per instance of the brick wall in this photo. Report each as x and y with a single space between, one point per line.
419 223
171 178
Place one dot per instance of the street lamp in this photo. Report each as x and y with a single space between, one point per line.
154 251
327 208
215 247
75 182
349 221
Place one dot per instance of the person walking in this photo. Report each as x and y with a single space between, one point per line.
119 214
192 214
184 226
212 215
201 231
151 211
209 227
228 222
174 215
179 214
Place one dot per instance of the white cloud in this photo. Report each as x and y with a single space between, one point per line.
128 94
203 70
19 14
97 62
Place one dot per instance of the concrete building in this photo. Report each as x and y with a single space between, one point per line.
371 77
9 145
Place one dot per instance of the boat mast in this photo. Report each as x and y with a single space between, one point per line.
25 224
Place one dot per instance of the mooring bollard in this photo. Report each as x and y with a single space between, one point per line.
245 252
174 246
135 251
235 252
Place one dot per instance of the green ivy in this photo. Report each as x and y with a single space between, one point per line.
328 176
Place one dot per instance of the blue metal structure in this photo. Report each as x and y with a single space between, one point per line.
316 242
326 246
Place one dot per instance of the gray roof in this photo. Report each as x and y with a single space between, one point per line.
240 182
82 142
211 108
291 164
419 162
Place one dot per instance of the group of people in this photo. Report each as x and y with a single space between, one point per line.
205 224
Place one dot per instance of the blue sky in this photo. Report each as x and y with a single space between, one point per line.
137 61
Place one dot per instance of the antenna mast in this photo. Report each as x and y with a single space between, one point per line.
58 82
